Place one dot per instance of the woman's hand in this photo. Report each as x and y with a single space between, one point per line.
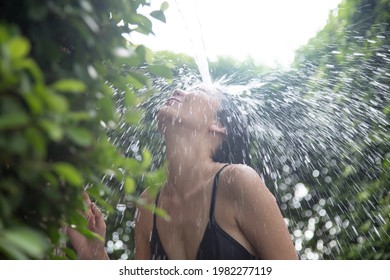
86 248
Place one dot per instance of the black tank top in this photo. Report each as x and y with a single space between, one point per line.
216 243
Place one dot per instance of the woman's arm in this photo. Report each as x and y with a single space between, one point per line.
143 226
258 215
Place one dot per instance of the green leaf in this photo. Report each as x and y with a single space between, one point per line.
133 60
5 208
146 158
364 228
50 178
69 85
161 70
144 53
70 253
137 80
141 20
133 117
31 66
159 15
26 241
81 226
105 108
349 170
156 179
164 6
162 213
69 173
54 131
386 110
79 116
37 142
143 30
13 120
11 251
130 185
133 166
79 135
130 98
156 210
386 164
57 102
363 196
149 57
34 102
19 47
18 144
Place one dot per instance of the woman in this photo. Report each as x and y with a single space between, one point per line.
218 207
217 210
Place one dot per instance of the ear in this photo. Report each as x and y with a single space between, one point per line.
215 128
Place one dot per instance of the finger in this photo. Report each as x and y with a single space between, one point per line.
91 217
99 220
73 234
88 214
87 199
96 212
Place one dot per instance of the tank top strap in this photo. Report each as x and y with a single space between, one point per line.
154 212
214 194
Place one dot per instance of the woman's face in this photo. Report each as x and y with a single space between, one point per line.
195 108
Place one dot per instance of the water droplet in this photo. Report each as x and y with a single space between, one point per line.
121 208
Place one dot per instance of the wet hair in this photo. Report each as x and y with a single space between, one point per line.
235 145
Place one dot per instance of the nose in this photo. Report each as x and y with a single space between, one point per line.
179 92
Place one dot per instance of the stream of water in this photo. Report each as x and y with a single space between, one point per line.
306 138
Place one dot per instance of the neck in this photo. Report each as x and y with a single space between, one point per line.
189 159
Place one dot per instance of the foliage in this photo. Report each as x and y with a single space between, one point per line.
61 64
71 91
227 68
349 54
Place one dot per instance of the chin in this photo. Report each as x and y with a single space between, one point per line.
163 116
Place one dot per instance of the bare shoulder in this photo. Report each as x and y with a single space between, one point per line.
257 214
243 181
243 176
242 171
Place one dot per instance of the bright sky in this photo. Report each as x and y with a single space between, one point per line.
267 30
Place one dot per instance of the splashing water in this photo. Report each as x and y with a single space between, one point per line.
319 147
120 208
303 140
